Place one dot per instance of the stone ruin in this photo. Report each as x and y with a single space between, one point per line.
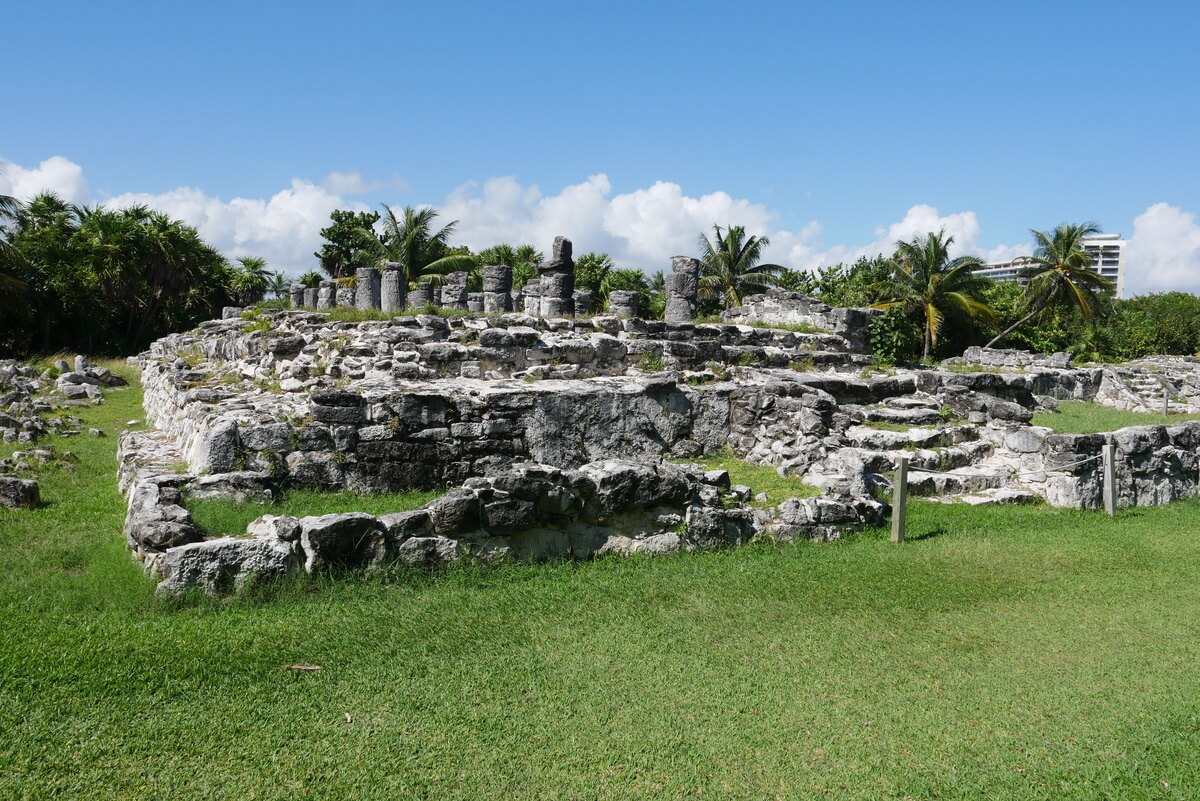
563 436
33 404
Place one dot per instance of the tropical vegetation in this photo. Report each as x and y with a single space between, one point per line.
341 251
929 285
410 240
103 280
1059 275
731 266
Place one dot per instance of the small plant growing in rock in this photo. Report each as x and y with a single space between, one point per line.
719 370
651 363
192 355
802 365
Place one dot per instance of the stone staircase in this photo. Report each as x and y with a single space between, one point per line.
948 462
1149 388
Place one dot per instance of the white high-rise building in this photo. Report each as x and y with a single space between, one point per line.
1108 259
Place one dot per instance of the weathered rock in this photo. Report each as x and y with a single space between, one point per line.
683 288
19 493
348 540
623 303
393 288
454 291
367 288
224 565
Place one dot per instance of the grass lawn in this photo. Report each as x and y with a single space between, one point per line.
759 478
1001 653
217 516
1082 417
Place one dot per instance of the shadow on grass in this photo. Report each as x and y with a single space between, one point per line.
919 536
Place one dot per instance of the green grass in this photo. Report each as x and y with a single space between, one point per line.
219 516
1002 653
759 478
888 425
1081 417
350 314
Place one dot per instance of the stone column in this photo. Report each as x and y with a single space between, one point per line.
392 287
475 302
683 289
366 288
296 294
533 296
345 296
623 303
325 295
585 301
497 289
558 281
421 296
310 297
454 291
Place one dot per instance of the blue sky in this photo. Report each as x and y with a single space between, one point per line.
822 125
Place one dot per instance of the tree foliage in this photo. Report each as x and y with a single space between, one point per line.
96 279
730 266
1059 277
410 240
591 270
929 285
341 253
523 259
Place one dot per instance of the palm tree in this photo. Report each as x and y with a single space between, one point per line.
251 279
409 239
730 265
310 280
9 206
1060 275
11 287
279 285
927 282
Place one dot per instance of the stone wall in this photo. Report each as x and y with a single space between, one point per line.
528 511
999 357
777 307
1154 464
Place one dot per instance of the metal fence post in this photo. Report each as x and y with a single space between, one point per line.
900 499
1110 479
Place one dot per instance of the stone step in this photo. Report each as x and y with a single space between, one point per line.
880 440
913 417
961 481
990 497
912 402
962 455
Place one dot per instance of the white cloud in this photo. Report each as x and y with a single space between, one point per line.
56 174
660 222
645 227
804 251
1164 251
349 183
642 228
285 229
